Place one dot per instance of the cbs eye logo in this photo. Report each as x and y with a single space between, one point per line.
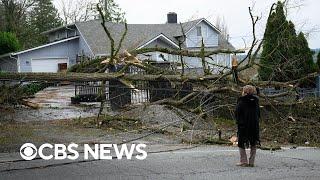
28 151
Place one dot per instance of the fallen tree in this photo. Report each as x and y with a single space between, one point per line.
85 77
212 92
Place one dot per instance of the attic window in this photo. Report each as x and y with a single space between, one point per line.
199 31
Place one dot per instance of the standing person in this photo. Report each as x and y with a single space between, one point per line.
234 69
247 117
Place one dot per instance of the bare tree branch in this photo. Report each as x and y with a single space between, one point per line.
122 38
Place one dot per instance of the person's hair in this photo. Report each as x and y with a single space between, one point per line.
248 90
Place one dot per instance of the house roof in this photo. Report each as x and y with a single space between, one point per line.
194 23
138 35
59 28
43 46
161 36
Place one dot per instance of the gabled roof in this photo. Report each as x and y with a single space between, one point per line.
161 37
198 21
137 36
59 28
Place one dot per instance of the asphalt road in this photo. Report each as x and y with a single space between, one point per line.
204 162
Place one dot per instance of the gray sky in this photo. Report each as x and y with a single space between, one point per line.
235 12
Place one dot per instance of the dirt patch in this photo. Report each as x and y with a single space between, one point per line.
167 115
180 124
13 135
25 114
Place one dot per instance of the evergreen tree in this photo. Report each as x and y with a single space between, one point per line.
113 13
8 43
14 16
305 55
2 17
286 55
318 60
44 16
273 43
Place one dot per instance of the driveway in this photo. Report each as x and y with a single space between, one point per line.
54 97
54 104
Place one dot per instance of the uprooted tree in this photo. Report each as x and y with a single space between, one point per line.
212 94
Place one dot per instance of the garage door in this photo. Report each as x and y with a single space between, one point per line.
50 65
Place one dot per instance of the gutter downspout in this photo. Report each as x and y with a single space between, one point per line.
18 62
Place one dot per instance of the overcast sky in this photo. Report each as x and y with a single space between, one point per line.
235 12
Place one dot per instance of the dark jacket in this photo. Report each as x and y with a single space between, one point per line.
247 116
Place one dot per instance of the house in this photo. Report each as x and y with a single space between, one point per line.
315 54
69 44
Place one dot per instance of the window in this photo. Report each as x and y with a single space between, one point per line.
199 31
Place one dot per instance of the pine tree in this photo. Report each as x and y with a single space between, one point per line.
318 60
2 17
305 55
113 13
286 56
274 43
44 16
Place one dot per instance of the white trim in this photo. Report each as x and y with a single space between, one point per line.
43 46
19 64
157 37
101 55
84 40
203 19
40 58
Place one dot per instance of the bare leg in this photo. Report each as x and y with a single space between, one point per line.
253 150
243 156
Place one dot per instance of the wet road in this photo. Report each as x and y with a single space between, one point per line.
204 162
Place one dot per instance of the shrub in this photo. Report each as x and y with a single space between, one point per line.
8 43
